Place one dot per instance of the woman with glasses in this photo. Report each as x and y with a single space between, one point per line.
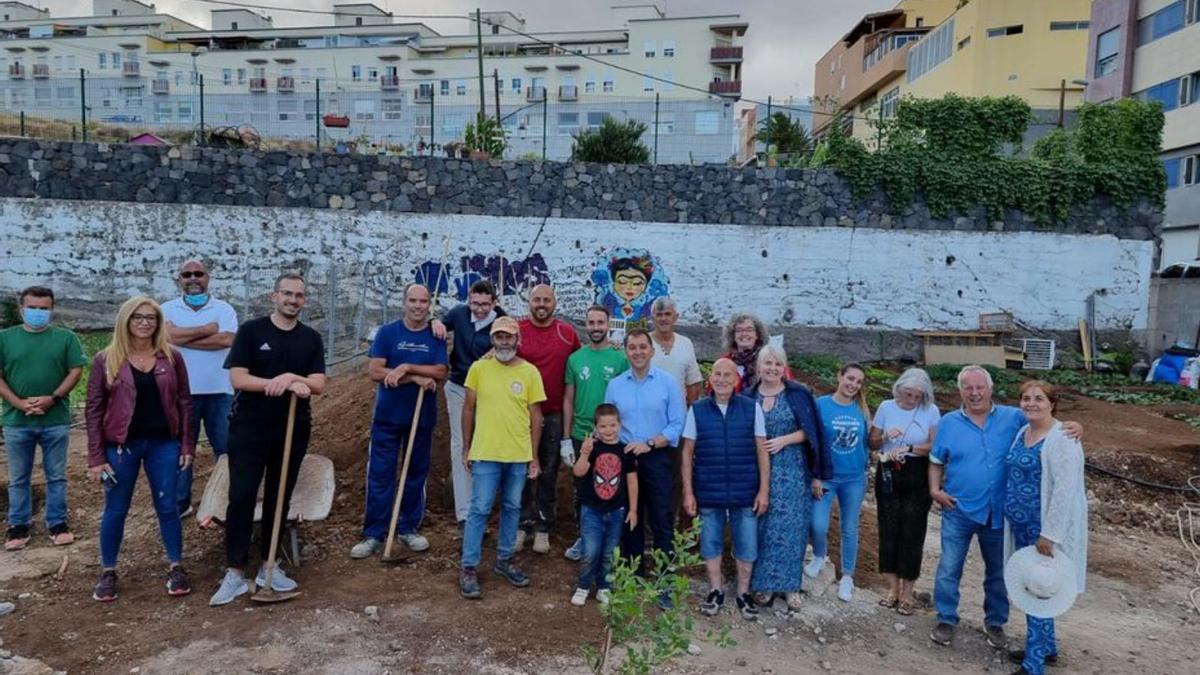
743 337
138 416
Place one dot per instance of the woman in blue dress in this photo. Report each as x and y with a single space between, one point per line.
794 444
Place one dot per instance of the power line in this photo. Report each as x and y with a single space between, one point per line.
323 12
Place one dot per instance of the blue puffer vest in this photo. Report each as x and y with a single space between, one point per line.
725 469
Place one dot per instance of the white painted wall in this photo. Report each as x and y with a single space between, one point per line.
106 251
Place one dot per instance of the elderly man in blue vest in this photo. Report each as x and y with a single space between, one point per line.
966 477
726 478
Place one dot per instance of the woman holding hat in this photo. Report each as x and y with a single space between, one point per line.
1045 513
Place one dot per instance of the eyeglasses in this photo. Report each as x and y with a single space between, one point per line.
192 275
744 331
143 318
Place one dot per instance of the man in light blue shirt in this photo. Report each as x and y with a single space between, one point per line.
652 415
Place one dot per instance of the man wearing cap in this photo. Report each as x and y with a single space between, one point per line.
502 425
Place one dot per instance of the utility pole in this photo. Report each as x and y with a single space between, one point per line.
545 122
656 127
1062 104
479 53
318 115
767 133
431 94
496 80
83 104
203 139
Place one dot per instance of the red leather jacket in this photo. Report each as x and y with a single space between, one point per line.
110 407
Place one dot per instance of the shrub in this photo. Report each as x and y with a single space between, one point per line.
613 143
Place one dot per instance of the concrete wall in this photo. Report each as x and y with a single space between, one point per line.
853 291
1174 313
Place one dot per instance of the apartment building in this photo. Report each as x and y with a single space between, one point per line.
395 82
1028 48
1150 49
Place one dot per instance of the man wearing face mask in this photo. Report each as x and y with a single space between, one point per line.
39 365
202 327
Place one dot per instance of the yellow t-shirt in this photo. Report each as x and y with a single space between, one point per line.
503 395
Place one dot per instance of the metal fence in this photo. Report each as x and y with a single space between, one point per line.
388 115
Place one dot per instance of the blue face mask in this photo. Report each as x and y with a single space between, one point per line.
197 300
36 317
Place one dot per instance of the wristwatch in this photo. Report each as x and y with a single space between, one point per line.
650 444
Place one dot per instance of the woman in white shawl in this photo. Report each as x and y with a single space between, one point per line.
1045 506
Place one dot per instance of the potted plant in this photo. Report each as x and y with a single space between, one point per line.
485 138
451 148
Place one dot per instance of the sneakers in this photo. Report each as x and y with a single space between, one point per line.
846 588
509 570
106 587
794 601
745 605
996 638
365 548
177 582
813 568
575 553
415 542
541 542
579 599
18 538
60 535
231 587
520 543
468 584
713 602
665 602
604 595
943 634
280 583
187 511
1018 656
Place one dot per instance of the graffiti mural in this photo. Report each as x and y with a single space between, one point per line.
628 281
456 279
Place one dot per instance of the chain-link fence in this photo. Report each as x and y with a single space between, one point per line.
381 113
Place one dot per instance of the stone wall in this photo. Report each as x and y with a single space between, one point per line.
664 194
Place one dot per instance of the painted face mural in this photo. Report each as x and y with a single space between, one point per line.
606 476
627 283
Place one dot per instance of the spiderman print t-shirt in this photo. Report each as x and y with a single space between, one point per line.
603 487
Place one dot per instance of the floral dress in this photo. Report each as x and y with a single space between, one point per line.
783 529
1023 509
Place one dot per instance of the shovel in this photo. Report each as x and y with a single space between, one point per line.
267 593
388 557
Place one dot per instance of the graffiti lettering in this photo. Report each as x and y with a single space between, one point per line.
456 278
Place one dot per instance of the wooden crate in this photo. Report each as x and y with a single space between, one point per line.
963 347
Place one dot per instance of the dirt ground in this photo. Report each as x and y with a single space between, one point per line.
1135 616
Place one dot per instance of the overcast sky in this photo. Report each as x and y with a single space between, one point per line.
785 39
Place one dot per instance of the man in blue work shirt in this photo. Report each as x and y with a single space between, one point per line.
969 453
652 414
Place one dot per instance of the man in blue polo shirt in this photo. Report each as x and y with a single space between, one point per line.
969 454
652 415
405 357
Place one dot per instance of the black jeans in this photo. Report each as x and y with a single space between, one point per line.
903 513
539 499
255 449
656 481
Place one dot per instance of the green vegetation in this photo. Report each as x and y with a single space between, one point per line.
485 135
92 343
613 143
963 152
785 136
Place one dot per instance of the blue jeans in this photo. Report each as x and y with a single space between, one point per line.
487 480
213 411
849 493
957 531
384 454
601 535
20 445
742 521
161 460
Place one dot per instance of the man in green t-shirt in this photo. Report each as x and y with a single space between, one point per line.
589 370
39 365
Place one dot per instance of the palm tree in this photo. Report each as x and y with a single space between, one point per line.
786 135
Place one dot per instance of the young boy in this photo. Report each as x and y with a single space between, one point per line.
608 499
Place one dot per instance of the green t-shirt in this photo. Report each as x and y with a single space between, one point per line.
590 371
34 364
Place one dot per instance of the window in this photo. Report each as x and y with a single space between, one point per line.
668 49
241 76
595 119
305 75
589 86
102 60
373 74
842 83
1162 23
1108 48
392 108
1004 31
132 96
1191 170
608 82
568 123
227 76
183 111
41 96
321 73
1172 167
708 122
71 62
1069 25
116 60
1166 93
920 22
162 111
66 93
650 49
58 64
444 88
358 21
936 47
889 102
647 83
669 78
1187 92
179 78
516 85
364 110
460 88
356 73
1193 12
288 109
422 126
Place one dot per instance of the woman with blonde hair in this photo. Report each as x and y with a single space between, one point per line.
138 415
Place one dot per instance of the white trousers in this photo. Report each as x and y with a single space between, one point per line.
456 395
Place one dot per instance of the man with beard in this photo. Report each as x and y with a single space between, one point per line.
272 358
589 370
405 357
502 425
546 342
202 327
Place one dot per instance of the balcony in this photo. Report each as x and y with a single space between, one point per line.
535 93
422 94
131 69
16 71
258 85
41 71
726 88
285 84
160 86
568 92
389 83
725 55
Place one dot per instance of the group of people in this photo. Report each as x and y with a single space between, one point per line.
645 440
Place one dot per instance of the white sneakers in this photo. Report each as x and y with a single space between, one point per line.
541 542
414 542
813 568
846 588
603 595
579 599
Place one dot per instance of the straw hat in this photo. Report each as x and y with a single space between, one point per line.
1041 587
